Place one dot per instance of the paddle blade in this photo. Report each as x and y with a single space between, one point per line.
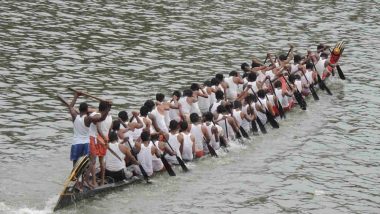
261 126
320 82
143 172
183 165
167 166
211 150
340 72
300 100
243 132
281 110
327 89
314 93
272 121
254 127
222 141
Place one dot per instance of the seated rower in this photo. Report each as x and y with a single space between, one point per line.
196 128
262 105
212 132
187 147
174 113
186 103
240 116
227 123
284 97
219 95
130 129
175 142
198 93
233 82
114 159
145 151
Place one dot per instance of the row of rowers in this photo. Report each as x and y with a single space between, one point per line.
202 116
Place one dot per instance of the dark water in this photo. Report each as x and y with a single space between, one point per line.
324 160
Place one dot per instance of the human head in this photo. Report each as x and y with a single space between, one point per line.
83 108
245 67
214 81
297 59
123 115
320 47
219 95
237 104
144 110
278 84
112 136
194 117
184 125
104 106
219 77
233 74
145 136
150 104
282 57
208 116
173 125
324 55
187 93
221 109
177 94
251 77
194 87
207 83
261 93
160 97
309 66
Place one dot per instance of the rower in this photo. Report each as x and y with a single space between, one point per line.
174 141
250 110
219 95
158 114
233 82
97 147
145 151
132 128
227 123
198 93
114 159
186 103
188 142
212 133
174 113
240 116
262 106
222 84
284 97
246 69
196 128
204 103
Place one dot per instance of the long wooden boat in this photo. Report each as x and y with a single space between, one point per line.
70 195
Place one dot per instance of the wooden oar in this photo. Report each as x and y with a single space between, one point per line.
280 109
60 97
311 87
298 96
167 166
340 72
180 161
321 83
143 172
89 95
261 125
269 115
210 149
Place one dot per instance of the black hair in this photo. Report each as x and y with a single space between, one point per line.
145 136
160 97
112 136
255 64
291 78
297 58
252 77
123 115
221 109
219 95
219 77
83 107
104 105
309 65
282 57
233 74
150 104
261 93
277 84
320 46
194 117
244 65
173 125
298 77
144 110
237 104
325 55
115 125
194 87
214 81
208 116
187 93
207 83
177 94
184 125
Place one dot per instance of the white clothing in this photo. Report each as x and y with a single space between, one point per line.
160 120
81 131
185 106
156 162
215 106
232 90
204 103
145 158
112 162
187 148
196 131
173 141
174 114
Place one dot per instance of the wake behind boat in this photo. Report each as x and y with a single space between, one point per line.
230 113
